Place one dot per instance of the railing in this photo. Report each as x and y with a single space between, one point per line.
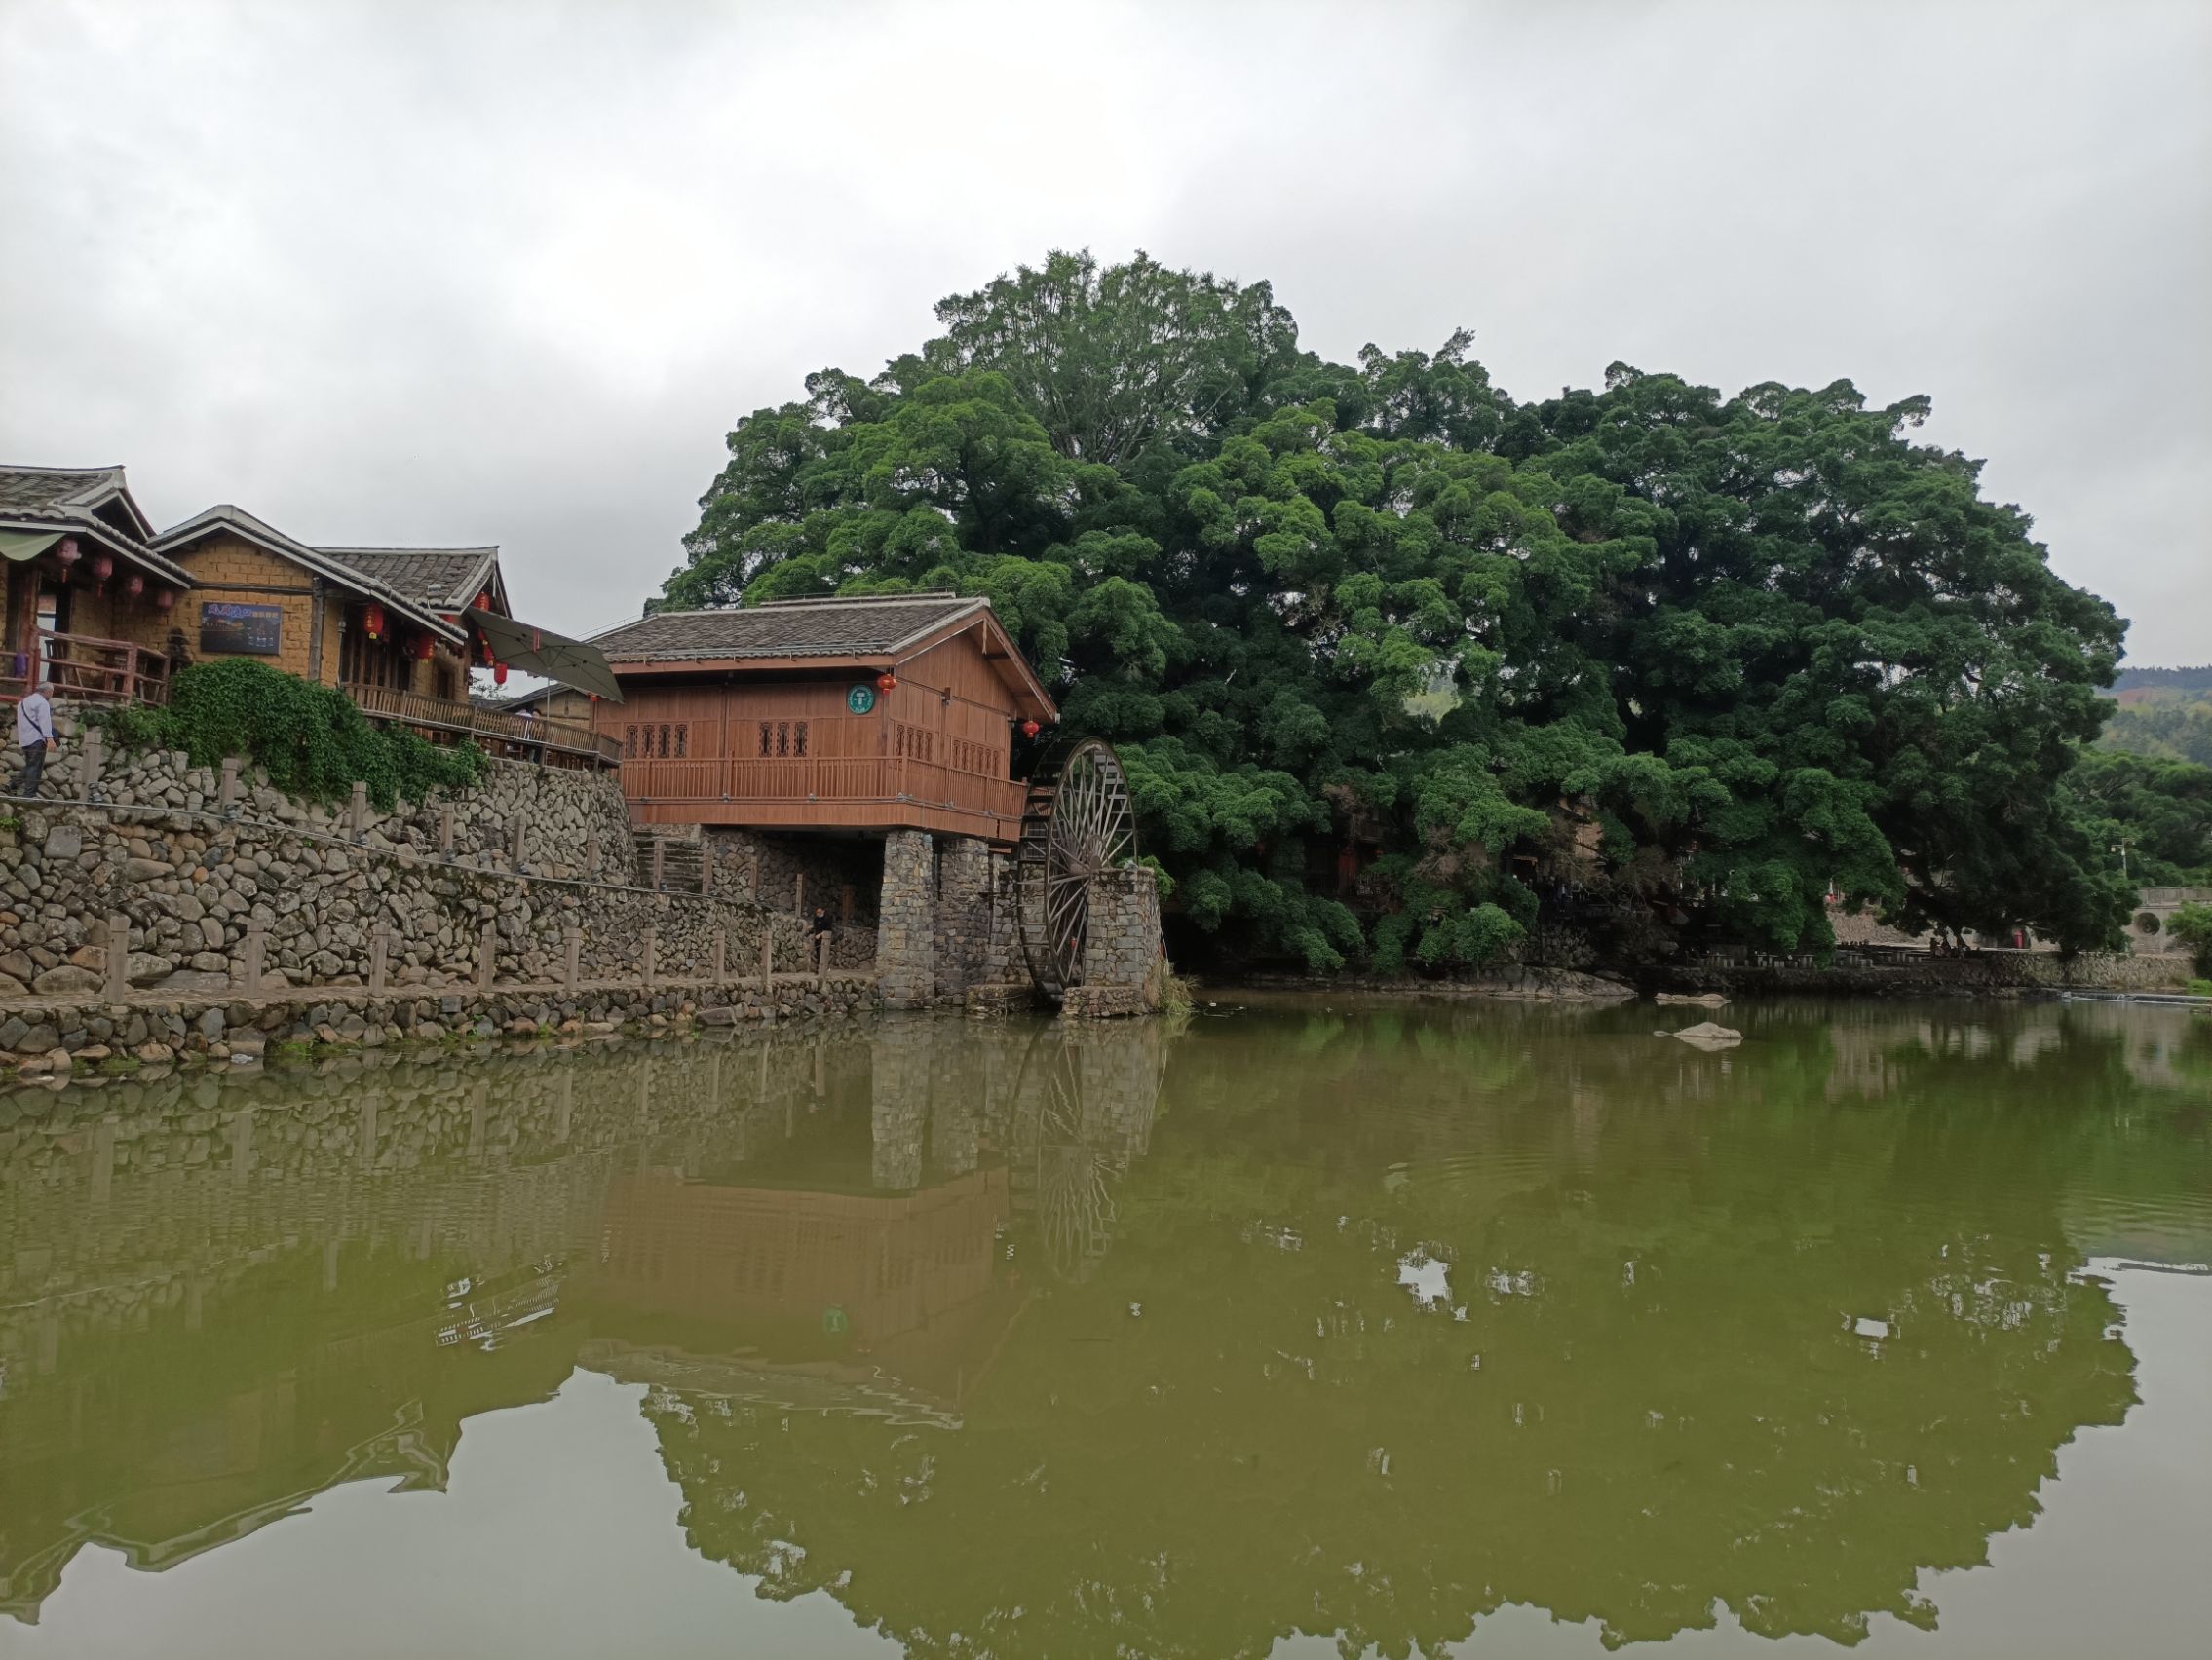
535 737
820 778
78 666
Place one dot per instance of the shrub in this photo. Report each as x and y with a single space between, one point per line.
313 740
2192 925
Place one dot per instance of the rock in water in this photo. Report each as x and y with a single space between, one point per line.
1705 1035
1693 1000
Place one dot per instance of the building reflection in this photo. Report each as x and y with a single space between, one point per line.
222 1297
936 1282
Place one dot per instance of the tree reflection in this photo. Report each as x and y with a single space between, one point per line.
1043 1340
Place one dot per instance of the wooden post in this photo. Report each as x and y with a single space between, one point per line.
358 816
650 945
767 961
660 860
227 792
445 828
379 952
721 955
822 959
118 958
487 958
572 956
95 746
256 949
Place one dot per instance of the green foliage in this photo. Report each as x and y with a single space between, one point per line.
2161 810
313 740
2192 925
2200 988
1645 642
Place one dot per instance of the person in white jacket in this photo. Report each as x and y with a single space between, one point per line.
34 734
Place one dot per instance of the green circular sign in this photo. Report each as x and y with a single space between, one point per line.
834 1321
861 699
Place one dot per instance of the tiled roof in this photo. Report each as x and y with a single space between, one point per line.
225 516
872 626
72 497
445 578
59 489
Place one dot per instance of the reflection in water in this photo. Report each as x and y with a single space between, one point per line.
1022 1340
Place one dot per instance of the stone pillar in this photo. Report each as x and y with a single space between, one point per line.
226 791
1120 950
356 813
721 956
592 855
118 958
767 958
93 747
647 947
660 861
379 954
571 957
256 951
487 958
906 974
518 841
961 921
445 829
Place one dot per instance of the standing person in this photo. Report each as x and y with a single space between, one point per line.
34 734
821 930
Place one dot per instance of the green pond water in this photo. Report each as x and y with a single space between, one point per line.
1313 1329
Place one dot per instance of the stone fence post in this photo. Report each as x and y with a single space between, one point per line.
256 950
118 958
590 856
487 958
767 959
356 814
518 841
649 945
660 862
721 955
379 952
226 791
445 828
94 747
572 956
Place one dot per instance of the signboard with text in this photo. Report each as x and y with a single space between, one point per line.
241 630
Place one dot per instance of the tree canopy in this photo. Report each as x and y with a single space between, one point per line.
1393 660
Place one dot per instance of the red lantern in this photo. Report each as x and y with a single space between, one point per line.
886 681
164 598
103 567
134 586
425 648
67 555
499 674
372 622
1030 729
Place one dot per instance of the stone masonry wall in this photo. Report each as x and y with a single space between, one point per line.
906 923
1122 966
777 870
190 881
961 927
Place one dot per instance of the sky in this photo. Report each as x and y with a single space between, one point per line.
476 272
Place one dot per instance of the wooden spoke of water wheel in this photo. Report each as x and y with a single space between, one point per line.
1073 828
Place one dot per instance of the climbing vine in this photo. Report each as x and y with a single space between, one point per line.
313 740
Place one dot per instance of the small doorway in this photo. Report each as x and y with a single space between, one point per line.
51 616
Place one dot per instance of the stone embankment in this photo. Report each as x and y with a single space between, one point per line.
167 891
1986 974
1515 983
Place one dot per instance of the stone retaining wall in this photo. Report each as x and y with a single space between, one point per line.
205 877
65 1035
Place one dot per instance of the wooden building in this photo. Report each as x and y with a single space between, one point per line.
93 609
879 713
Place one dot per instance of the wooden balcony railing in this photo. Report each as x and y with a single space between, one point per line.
533 737
80 666
821 779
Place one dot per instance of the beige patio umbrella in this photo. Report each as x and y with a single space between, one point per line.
542 652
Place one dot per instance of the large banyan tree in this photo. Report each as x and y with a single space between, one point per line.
1391 658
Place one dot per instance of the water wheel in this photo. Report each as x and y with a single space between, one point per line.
1073 827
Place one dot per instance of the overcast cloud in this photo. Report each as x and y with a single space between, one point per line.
468 273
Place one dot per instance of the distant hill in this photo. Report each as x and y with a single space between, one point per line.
2163 712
